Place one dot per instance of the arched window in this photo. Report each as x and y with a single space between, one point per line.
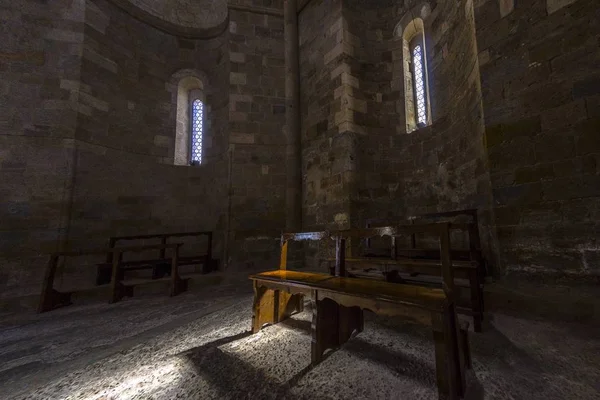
191 121
418 66
197 119
416 81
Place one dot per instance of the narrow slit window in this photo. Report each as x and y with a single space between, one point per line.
419 80
417 107
197 130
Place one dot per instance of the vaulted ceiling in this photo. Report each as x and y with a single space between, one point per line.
194 18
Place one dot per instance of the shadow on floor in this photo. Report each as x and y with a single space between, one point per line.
234 378
216 343
493 346
298 325
400 363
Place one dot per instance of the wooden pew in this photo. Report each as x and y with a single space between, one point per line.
471 229
338 303
157 265
51 298
421 265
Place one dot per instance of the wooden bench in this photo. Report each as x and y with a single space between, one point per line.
471 229
422 265
160 266
51 298
338 303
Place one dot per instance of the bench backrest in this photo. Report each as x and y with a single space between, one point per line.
298 237
471 228
441 230
47 284
163 240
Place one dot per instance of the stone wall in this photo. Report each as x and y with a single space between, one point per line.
88 142
257 141
88 126
541 94
441 167
125 180
327 146
40 55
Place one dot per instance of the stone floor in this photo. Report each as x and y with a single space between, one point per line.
197 346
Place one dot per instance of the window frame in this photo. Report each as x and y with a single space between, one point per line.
412 33
187 85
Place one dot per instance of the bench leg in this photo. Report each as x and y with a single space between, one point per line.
476 301
324 328
332 326
272 306
465 348
447 356
350 319
463 354
54 299
103 274
119 291
161 270
180 286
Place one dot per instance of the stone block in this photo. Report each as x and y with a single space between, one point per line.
587 87
554 5
236 78
349 126
588 140
524 127
334 53
533 174
238 116
241 138
61 35
592 105
237 57
103 62
95 18
94 102
564 116
162 141
279 109
484 57
35 58
346 115
544 51
524 194
493 135
572 188
506 7
350 80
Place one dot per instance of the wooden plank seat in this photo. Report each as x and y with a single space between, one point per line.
51 298
160 265
338 303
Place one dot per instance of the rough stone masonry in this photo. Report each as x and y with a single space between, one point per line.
88 124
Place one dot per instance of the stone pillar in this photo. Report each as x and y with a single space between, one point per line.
293 194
